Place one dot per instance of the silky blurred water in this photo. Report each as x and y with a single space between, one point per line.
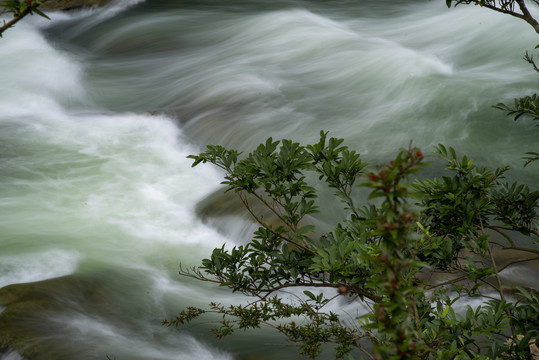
100 107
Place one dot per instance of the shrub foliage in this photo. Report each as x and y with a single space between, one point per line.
18 9
412 257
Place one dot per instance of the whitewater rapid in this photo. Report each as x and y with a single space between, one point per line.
100 107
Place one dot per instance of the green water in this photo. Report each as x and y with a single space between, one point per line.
99 109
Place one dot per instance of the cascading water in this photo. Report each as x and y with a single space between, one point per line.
100 107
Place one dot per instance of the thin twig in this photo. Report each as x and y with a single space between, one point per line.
261 222
499 231
529 58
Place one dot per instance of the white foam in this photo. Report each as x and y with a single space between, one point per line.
90 331
520 275
33 72
30 267
11 355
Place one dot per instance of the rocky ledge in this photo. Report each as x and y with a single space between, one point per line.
71 4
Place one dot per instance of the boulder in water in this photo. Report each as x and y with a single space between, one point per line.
71 4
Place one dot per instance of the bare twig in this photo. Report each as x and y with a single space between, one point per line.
529 58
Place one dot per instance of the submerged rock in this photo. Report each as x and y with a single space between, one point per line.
37 316
227 214
22 327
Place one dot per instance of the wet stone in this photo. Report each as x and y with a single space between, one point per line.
71 4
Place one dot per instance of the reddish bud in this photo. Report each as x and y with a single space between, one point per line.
381 313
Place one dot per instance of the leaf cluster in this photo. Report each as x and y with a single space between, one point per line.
527 105
524 106
378 255
502 4
19 9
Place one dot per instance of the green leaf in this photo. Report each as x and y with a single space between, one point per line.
310 295
40 13
305 229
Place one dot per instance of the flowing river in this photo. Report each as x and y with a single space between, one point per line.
100 107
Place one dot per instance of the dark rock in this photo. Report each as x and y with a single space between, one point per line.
71 4
25 325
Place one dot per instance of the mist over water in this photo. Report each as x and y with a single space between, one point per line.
100 107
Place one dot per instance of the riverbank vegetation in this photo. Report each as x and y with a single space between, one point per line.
526 105
426 259
388 256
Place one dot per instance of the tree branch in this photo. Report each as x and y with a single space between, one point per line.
529 59
16 18
499 231
448 282
517 261
503 11
259 220
494 227
526 16
533 251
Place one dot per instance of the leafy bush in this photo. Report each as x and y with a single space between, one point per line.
382 255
